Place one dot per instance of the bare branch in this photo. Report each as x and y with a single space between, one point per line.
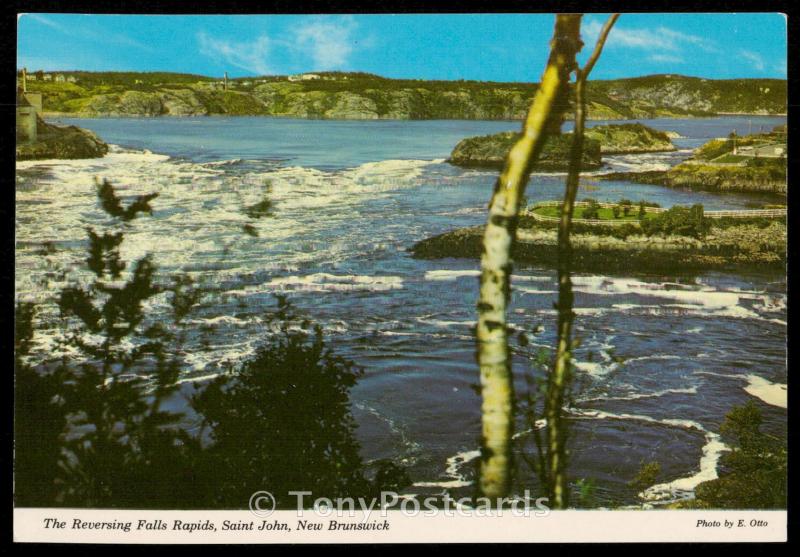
561 376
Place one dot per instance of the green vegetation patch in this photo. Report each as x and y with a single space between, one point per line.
603 213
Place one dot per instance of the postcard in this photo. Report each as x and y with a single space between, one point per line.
375 278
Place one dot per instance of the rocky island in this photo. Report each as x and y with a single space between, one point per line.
491 150
728 244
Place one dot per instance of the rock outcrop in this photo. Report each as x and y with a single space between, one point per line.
744 247
491 150
62 142
630 138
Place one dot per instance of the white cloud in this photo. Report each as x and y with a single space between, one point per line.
320 43
666 58
251 56
45 21
755 60
89 34
328 42
660 38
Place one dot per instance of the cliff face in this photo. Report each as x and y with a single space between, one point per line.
364 96
491 150
56 142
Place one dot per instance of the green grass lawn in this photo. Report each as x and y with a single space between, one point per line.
603 214
731 158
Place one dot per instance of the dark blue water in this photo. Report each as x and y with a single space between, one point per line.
662 358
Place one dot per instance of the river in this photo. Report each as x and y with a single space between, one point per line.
662 358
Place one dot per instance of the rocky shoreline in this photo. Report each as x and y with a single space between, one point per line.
748 247
770 179
61 142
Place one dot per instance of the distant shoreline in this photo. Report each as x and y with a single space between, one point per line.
83 116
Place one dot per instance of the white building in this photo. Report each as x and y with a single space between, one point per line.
304 77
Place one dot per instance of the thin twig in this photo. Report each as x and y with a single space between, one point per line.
560 378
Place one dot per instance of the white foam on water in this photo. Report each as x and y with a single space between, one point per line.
654 357
532 278
689 299
681 488
453 274
454 463
446 484
324 282
775 394
595 369
223 320
640 162
533 291
637 396
446 323
197 379
445 274
452 467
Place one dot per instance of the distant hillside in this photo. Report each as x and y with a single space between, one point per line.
365 96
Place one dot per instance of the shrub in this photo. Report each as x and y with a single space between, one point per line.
592 211
616 211
679 221
755 470
647 475
283 420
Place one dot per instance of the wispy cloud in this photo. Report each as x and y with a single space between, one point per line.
666 59
45 21
658 39
319 43
251 56
80 32
328 43
752 58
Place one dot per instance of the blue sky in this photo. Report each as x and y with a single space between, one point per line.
503 47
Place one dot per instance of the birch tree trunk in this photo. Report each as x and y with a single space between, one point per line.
496 381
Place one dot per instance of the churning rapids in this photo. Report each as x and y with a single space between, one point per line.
663 358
